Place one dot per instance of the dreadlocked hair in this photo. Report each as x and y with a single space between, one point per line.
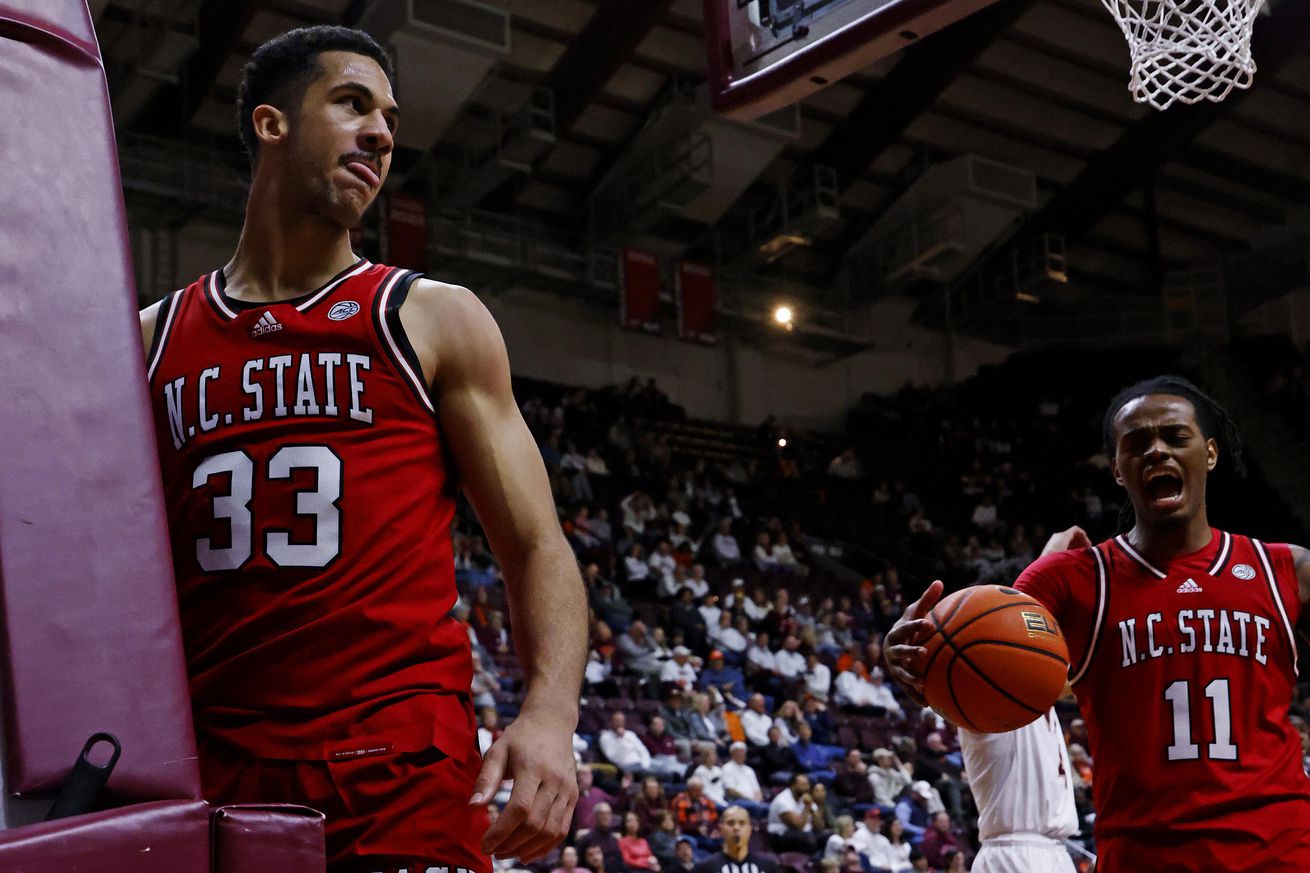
1213 419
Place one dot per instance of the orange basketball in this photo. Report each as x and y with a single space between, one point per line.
997 660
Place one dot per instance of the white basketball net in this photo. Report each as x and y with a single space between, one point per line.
1187 50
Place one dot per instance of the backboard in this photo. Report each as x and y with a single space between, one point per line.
766 54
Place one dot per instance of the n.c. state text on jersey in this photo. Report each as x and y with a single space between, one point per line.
1184 673
310 499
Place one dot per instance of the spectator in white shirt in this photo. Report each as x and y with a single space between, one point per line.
786 559
726 549
711 775
882 694
634 566
740 783
818 678
662 562
761 657
763 553
709 603
984 515
729 638
696 581
789 662
755 721
757 607
622 747
888 777
679 671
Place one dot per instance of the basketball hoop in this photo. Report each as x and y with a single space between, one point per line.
1187 50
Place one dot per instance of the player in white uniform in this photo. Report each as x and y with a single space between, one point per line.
1022 782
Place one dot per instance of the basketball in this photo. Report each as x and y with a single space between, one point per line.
996 661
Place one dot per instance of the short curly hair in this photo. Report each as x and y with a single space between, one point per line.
281 70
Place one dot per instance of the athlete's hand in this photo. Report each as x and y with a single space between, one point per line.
1073 538
903 648
537 753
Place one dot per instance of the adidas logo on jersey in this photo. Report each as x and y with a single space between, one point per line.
1190 587
266 324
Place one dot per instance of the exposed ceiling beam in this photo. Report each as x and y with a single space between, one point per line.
910 88
1157 137
219 26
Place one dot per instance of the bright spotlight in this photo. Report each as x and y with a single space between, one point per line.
782 442
782 315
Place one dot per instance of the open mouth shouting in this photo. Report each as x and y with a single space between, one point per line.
1163 488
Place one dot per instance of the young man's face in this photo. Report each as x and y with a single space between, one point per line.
341 137
1162 458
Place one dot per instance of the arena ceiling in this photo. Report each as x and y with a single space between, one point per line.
1040 85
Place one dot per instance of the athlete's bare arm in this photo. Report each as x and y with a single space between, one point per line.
1301 561
149 316
500 468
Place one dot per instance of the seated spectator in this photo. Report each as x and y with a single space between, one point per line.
882 694
685 617
711 776
818 678
852 780
846 466
489 730
684 857
611 606
694 812
728 680
641 654
705 725
664 837
725 547
816 713
762 554
938 840
709 603
912 810
623 748
594 858
889 778
485 684
984 516
786 558
649 803
679 672
590 796
663 750
788 661
788 720
740 784
755 721
791 819
842 839
889 849
635 569
776 758
568 860
699 585
815 758
633 848
495 637
732 637
857 690
757 608
602 837
662 563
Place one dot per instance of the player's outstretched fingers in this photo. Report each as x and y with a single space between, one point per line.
519 842
903 648
490 776
556 827
507 834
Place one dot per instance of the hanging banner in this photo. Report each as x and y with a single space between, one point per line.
697 319
639 291
407 232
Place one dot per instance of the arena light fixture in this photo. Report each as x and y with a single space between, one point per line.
782 316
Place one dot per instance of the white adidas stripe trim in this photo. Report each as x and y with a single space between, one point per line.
415 380
1101 579
1278 602
327 289
163 330
1136 556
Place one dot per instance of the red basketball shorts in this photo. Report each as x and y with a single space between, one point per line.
384 813
1285 852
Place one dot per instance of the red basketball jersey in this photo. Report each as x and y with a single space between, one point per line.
1184 673
309 504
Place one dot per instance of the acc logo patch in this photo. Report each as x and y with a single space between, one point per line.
1244 571
343 310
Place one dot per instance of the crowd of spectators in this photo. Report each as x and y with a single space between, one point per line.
738 608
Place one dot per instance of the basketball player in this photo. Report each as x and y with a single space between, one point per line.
1183 656
1023 784
315 414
